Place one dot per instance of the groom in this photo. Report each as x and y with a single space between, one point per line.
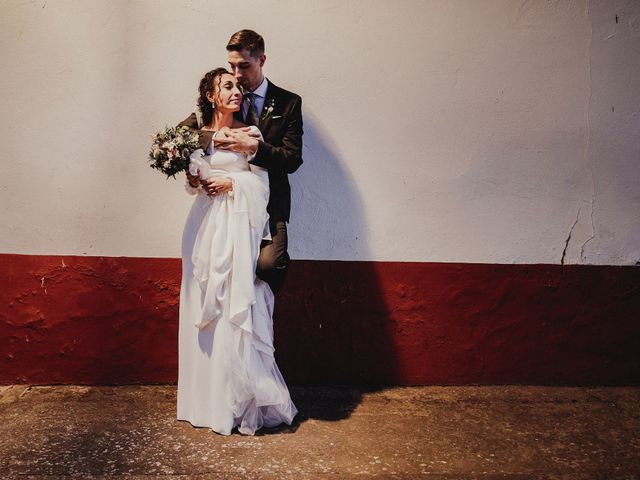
278 115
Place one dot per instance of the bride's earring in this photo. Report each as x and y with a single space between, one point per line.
213 106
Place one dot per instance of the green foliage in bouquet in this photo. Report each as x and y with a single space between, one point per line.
171 149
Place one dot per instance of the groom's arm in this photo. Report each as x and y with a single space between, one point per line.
191 121
204 136
288 156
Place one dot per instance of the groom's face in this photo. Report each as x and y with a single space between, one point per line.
247 69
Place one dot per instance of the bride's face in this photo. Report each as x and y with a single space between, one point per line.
227 94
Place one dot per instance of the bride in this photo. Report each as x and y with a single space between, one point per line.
227 375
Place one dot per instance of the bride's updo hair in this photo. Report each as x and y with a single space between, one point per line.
208 85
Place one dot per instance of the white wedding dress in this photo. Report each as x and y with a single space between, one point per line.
227 375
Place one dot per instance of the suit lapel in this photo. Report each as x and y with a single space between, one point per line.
267 109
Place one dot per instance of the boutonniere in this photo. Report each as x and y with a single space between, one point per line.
268 109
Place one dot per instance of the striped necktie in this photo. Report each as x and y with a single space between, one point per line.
252 116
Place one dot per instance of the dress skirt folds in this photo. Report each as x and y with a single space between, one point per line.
227 375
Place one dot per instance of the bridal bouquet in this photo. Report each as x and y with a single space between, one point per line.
171 149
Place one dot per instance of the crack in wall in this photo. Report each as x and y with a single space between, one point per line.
593 230
566 243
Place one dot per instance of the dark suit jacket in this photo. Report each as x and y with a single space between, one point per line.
280 152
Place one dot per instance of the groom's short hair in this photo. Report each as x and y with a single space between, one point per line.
246 39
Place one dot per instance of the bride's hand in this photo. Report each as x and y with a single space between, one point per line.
194 180
217 185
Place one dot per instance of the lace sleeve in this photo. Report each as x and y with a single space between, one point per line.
190 190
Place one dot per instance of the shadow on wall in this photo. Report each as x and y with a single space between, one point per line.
331 321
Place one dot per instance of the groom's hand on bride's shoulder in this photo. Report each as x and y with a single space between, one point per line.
237 140
248 130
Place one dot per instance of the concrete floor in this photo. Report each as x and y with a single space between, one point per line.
51 432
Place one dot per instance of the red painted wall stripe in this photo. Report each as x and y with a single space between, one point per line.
113 320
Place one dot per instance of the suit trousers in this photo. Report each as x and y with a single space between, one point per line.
273 260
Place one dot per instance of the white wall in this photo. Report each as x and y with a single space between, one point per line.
470 131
